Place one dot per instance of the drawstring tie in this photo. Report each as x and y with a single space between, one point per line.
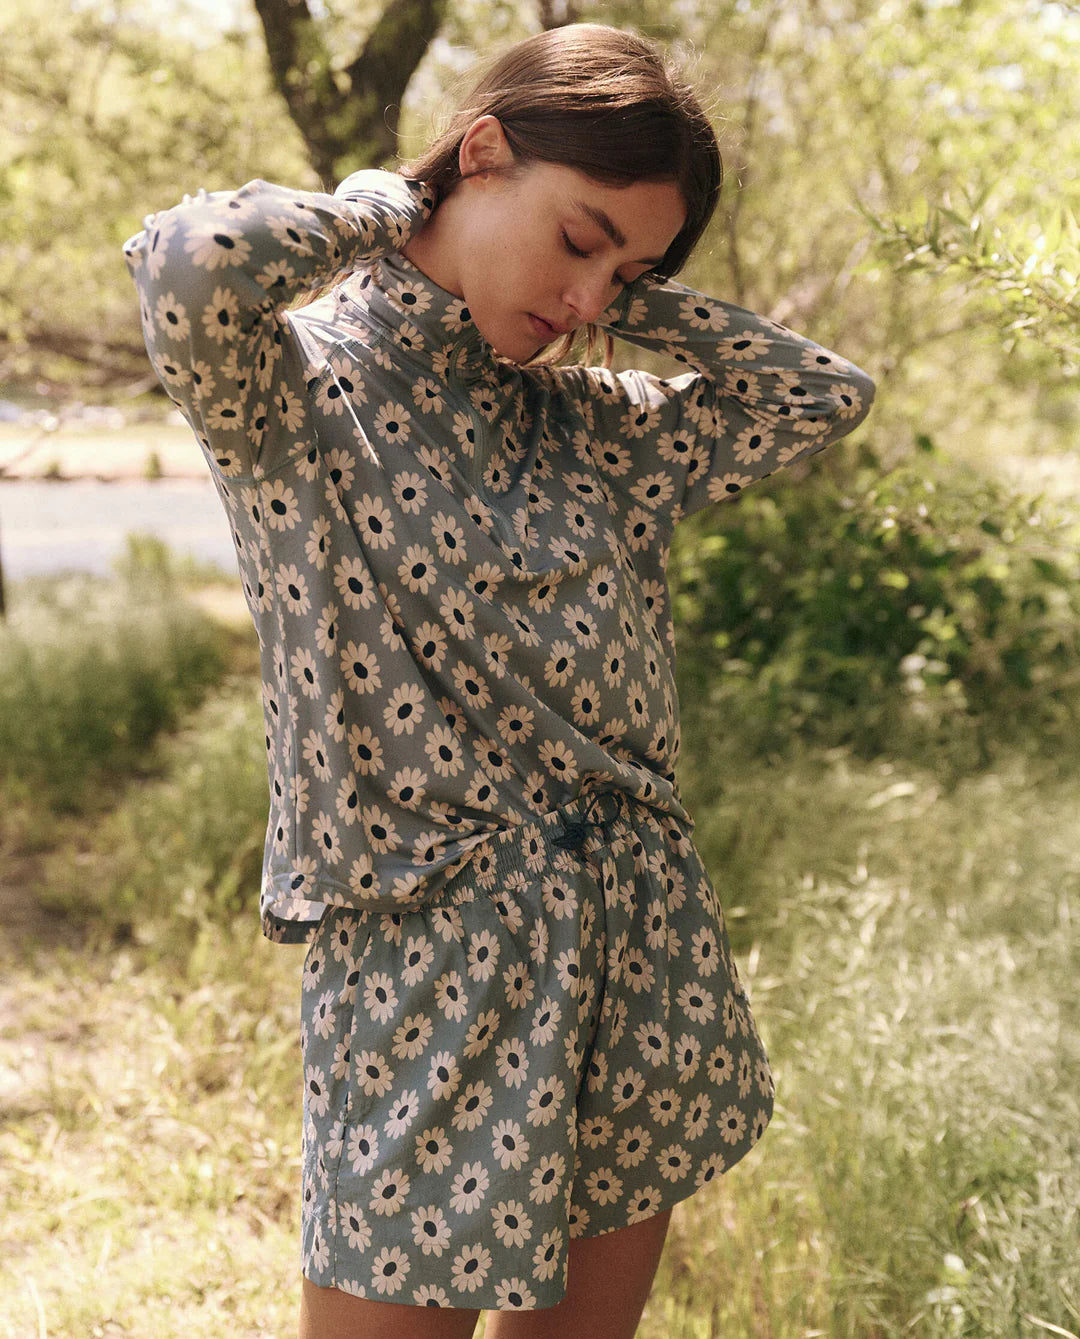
575 829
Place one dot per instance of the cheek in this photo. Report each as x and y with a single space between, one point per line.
519 239
506 273
492 235
508 267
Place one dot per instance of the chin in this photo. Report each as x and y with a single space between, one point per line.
517 351
506 336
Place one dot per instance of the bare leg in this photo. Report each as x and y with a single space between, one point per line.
328 1313
610 1278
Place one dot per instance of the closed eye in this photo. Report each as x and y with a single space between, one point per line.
576 251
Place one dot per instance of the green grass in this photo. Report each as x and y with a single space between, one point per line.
124 659
907 931
911 949
182 850
911 957
149 1148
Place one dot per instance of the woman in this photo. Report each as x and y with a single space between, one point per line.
524 1037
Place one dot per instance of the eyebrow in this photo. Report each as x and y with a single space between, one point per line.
603 221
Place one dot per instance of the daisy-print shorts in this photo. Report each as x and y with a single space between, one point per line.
556 1046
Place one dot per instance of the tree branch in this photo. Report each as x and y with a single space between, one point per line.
355 125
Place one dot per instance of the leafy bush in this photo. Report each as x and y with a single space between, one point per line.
892 612
183 853
92 670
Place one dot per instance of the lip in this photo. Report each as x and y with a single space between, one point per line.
542 328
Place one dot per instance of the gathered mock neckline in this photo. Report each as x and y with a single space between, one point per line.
429 322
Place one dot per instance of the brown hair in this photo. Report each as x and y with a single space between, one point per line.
602 100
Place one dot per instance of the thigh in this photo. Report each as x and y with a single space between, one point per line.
610 1279
329 1313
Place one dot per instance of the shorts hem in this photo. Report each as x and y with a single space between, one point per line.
686 1192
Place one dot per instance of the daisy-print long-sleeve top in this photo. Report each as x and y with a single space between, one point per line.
455 565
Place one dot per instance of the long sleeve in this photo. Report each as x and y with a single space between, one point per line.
215 275
760 397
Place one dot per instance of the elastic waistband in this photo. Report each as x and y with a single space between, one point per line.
535 848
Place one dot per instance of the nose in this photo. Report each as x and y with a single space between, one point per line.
587 298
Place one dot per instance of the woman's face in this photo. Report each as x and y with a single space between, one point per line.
511 246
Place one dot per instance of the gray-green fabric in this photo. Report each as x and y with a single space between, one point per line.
455 565
558 1046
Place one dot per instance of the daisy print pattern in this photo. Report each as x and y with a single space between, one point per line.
551 1067
384 472
456 567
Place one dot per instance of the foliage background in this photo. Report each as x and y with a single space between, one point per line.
879 660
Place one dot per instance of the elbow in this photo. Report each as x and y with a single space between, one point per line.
857 408
866 384
132 251
869 394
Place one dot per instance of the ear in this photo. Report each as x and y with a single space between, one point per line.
484 146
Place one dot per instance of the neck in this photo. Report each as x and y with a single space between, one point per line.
430 251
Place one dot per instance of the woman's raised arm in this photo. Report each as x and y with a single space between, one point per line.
214 275
760 398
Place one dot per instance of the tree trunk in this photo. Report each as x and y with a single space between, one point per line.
348 118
